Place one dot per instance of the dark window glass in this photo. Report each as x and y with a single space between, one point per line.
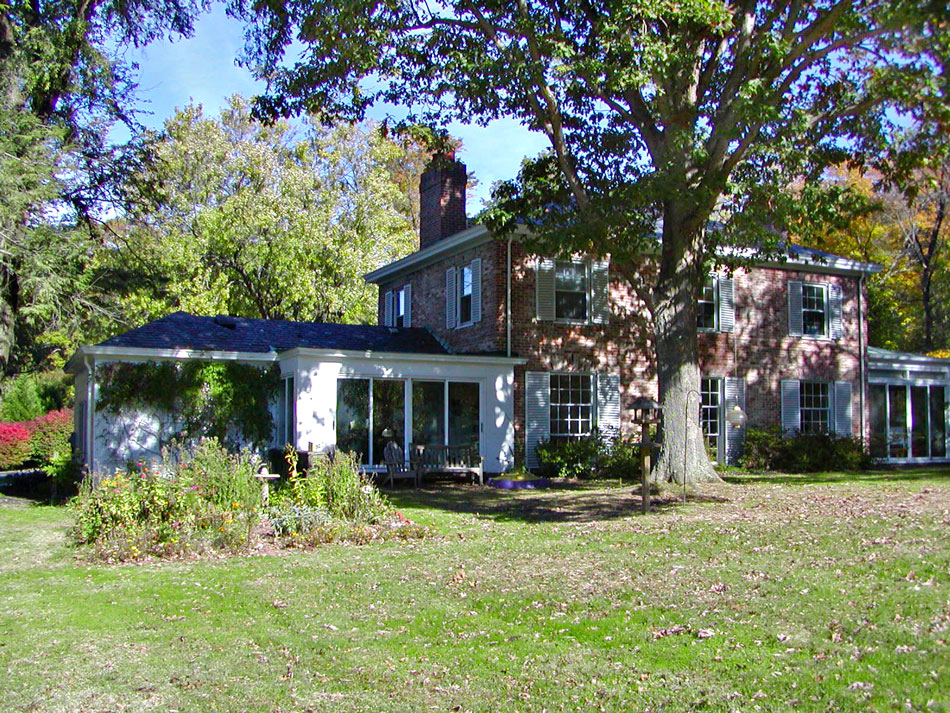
938 423
814 405
897 446
389 415
428 413
400 307
465 295
706 312
919 417
877 400
570 291
571 405
352 417
711 391
463 414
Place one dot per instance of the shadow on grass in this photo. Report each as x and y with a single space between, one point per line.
880 475
563 502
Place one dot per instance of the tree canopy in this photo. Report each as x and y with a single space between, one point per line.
234 216
655 110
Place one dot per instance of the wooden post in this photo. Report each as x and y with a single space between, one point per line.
646 450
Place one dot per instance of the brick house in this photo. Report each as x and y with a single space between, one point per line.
482 343
786 339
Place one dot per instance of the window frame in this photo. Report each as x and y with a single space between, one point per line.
588 297
461 296
825 310
289 410
399 307
555 386
715 303
826 408
718 409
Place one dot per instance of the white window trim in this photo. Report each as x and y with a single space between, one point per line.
826 336
720 415
716 307
593 404
830 425
459 284
586 263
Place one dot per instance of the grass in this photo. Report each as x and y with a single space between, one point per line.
810 593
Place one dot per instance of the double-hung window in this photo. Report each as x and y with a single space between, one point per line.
571 405
814 309
465 294
815 406
707 310
400 308
397 307
711 411
571 291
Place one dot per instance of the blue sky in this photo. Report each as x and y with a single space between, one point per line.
202 69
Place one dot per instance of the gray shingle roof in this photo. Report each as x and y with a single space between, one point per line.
186 331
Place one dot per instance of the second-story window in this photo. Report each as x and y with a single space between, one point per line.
400 309
707 310
814 310
465 294
570 291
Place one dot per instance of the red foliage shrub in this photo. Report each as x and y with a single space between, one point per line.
50 435
15 446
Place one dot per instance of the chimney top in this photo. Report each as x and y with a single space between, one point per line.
442 198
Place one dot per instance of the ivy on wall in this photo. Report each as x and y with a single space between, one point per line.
227 400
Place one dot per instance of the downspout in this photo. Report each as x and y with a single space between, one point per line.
90 365
508 300
862 352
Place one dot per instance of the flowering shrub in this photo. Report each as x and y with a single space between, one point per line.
50 436
14 444
208 499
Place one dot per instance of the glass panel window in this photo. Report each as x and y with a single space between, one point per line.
938 423
465 294
897 446
428 413
877 400
711 413
289 415
399 319
814 405
706 312
570 291
571 405
814 308
352 417
463 414
389 415
919 417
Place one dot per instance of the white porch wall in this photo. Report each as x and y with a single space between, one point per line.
316 378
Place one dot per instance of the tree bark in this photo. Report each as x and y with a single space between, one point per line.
683 457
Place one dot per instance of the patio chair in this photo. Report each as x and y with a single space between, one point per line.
396 465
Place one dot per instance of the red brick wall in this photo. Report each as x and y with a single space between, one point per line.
766 354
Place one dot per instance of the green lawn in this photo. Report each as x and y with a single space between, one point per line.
818 594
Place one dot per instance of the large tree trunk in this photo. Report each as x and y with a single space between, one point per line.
683 457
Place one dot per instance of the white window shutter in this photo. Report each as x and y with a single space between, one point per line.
388 309
608 405
537 394
791 405
843 408
407 297
795 325
477 290
451 293
600 291
544 282
834 298
727 307
734 396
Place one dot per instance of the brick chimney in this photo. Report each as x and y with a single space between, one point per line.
442 199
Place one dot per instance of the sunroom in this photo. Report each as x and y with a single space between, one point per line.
908 399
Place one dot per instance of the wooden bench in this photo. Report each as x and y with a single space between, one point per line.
448 459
